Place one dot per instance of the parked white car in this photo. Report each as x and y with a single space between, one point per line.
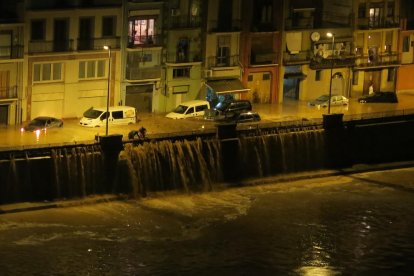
118 115
323 101
189 109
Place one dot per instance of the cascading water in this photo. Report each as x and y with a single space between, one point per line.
273 154
166 165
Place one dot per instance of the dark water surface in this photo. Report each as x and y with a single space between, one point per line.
362 224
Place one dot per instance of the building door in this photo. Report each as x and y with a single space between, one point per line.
4 84
60 35
4 114
140 97
85 33
372 78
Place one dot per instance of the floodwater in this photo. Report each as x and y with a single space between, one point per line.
360 224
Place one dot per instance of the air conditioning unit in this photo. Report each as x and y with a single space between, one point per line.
208 73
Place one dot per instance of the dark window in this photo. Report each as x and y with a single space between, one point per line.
181 72
190 110
117 114
108 26
355 78
362 10
38 30
266 76
406 44
317 75
250 78
201 108
390 74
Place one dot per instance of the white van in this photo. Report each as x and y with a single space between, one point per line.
118 115
189 109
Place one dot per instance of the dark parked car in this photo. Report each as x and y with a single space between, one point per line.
236 106
42 123
380 97
244 117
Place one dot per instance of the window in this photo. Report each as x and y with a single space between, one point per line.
117 114
47 72
92 69
38 30
406 44
390 74
317 75
250 78
181 89
266 76
182 72
362 9
375 16
223 50
355 78
108 26
142 31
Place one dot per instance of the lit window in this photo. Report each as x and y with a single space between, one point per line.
47 72
92 69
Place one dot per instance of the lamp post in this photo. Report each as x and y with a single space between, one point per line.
108 48
332 65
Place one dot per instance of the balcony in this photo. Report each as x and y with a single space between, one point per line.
98 43
8 93
144 41
175 57
185 22
139 73
263 58
11 52
366 23
50 46
381 60
303 57
218 27
319 63
227 61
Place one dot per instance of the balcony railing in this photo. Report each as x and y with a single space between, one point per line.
98 43
138 73
336 62
299 23
263 58
8 93
227 61
381 60
366 23
185 21
216 26
50 46
174 57
11 52
144 41
303 57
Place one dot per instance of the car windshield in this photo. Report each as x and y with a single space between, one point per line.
92 113
37 122
323 98
180 109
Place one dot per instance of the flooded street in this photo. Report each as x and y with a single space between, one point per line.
157 124
359 224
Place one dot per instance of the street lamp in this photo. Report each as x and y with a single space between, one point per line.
108 48
332 65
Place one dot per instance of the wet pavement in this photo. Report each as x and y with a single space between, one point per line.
157 124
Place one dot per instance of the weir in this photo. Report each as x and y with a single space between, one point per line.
197 164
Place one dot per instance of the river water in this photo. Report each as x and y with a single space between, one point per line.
360 224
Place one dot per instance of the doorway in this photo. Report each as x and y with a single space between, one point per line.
4 114
60 35
372 78
140 97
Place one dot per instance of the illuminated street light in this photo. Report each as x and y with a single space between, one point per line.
332 65
108 48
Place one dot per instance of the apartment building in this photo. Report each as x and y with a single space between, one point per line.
12 91
66 63
260 49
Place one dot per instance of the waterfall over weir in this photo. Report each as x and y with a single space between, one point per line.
183 165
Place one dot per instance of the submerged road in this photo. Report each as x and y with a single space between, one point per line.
157 124
359 224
